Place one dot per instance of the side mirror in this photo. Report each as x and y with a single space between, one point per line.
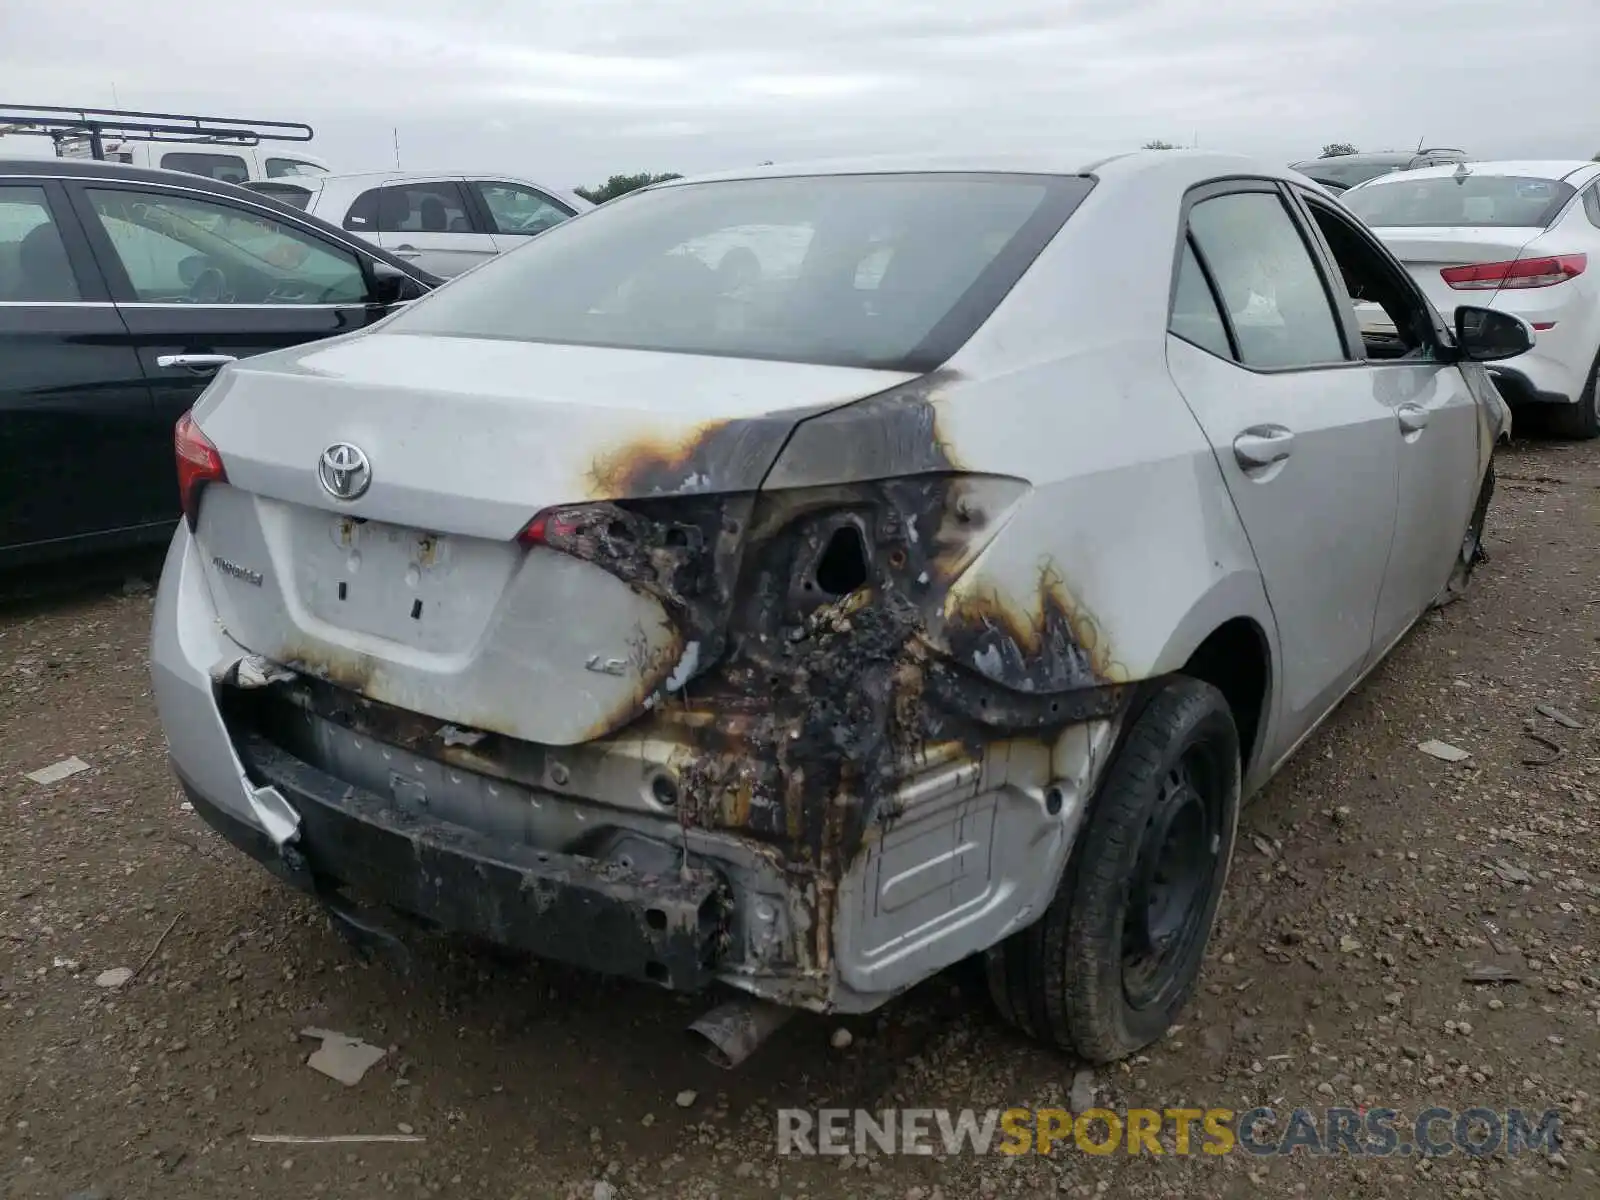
390 285
1488 335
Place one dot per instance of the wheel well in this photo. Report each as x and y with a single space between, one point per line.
1234 661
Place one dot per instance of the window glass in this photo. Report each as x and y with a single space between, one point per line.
1345 174
33 261
1509 201
283 168
1394 322
517 209
1268 281
1591 203
287 193
363 214
890 270
181 250
229 168
423 208
1195 317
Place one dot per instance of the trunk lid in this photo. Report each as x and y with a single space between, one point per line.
1427 251
417 591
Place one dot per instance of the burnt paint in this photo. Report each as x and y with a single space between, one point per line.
717 457
894 433
807 711
1054 648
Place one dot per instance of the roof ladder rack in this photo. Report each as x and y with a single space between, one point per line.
96 124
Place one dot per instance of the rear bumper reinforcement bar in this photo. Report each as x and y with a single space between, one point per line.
570 908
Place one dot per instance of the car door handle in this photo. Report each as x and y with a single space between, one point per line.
407 252
1263 446
200 364
1413 418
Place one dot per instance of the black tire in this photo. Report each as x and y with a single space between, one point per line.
1580 421
1076 977
1472 551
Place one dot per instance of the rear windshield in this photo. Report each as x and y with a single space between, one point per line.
892 271
229 168
287 193
1477 200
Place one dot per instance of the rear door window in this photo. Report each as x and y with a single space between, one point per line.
229 168
33 259
514 208
424 208
1267 280
1195 315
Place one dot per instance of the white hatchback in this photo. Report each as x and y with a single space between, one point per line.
1519 237
445 224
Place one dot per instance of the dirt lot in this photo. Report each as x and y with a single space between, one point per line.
1368 878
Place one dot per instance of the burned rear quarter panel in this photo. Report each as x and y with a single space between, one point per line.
1126 533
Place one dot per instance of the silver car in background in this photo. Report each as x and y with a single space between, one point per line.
807 579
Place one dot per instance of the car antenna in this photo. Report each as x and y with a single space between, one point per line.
69 128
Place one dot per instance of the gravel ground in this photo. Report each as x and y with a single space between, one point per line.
1369 879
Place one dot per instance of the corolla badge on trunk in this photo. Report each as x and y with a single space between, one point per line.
343 471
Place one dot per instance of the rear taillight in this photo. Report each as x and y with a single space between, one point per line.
549 528
1519 273
198 464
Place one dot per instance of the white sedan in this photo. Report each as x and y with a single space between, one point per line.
1517 237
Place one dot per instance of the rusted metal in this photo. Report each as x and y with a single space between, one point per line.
732 1032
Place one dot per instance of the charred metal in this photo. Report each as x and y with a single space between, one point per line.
831 656
833 653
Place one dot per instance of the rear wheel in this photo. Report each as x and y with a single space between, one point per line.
1116 955
1580 421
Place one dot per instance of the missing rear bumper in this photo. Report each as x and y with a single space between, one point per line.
599 915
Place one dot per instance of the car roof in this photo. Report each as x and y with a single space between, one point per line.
345 187
91 168
1376 158
1531 167
404 176
81 168
1202 162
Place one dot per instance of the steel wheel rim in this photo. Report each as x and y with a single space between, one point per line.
1168 904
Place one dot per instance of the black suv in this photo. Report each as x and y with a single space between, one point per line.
1340 172
122 291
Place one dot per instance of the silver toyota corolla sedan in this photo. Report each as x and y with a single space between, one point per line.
808 579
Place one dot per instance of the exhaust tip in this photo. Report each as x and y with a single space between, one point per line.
732 1032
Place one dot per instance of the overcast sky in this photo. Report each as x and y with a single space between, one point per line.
569 93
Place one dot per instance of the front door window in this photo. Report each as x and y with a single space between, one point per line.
517 209
177 249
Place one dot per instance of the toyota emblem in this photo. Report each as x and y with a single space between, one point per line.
343 471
